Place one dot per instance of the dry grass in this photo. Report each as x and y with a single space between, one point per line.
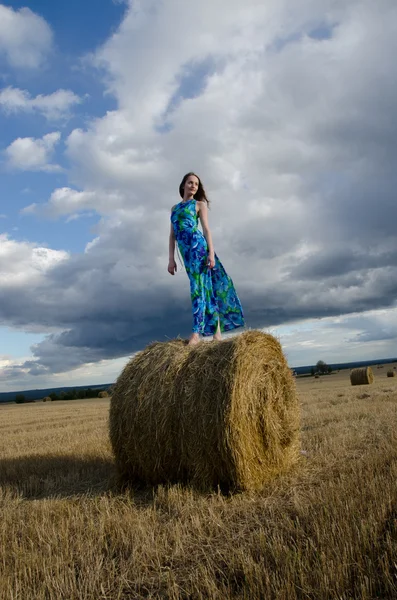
326 530
221 414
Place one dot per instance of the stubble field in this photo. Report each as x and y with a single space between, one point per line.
327 530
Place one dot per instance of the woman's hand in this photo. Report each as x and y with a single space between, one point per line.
211 260
172 268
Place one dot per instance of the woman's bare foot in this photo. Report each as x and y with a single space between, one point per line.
194 339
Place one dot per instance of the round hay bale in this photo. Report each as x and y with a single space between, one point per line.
103 394
391 374
221 413
47 399
362 376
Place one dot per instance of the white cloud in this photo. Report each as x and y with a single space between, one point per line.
29 210
294 140
64 201
267 131
17 375
23 264
363 336
67 201
53 106
7 362
25 37
30 154
77 216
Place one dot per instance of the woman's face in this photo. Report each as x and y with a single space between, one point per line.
191 186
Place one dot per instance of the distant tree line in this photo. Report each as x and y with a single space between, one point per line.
21 399
76 394
321 368
67 395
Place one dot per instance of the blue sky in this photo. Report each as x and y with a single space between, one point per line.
78 29
102 112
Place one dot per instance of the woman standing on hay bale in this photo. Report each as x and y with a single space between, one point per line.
215 304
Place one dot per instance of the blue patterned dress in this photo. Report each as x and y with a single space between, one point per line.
212 290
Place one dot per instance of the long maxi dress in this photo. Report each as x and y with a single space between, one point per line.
212 291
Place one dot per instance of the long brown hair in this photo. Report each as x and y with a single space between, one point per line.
200 194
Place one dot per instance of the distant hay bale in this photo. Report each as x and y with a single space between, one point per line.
221 413
47 399
103 394
391 374
362 376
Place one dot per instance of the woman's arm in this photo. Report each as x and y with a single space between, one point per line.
171 244
203 214
172 268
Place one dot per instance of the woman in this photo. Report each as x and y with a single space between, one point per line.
215 304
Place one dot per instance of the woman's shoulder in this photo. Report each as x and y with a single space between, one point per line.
201 204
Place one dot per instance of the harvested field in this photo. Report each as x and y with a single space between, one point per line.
327 529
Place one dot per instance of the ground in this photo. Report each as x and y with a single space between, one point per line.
328 529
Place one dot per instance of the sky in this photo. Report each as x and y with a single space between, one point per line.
287 111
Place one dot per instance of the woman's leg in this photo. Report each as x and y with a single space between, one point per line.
198 307
217 334
229 306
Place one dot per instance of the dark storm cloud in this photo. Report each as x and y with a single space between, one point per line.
106 335
294 300
334 261
375 336
108 312
312 236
